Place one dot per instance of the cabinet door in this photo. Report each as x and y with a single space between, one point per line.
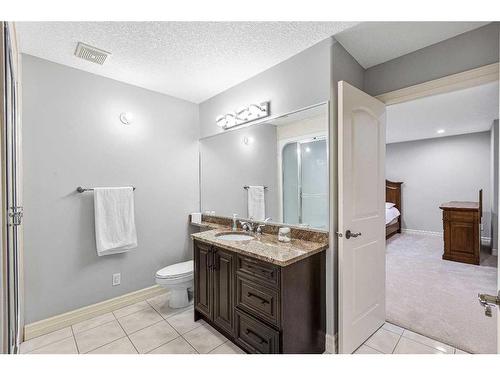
223 279
203 280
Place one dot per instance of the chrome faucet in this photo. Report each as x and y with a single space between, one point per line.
258 230
247 226
250 226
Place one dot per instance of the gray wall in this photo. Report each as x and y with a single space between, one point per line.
72 136
343 68
495 180
438 170
227 164
298 82
466 51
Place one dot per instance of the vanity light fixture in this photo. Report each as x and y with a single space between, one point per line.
440 131
126 118
246 114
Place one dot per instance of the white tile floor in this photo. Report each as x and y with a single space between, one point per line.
145 327
152 327
391 339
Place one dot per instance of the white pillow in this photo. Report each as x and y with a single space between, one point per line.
389 205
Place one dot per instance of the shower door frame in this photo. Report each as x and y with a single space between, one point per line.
12 304
299 140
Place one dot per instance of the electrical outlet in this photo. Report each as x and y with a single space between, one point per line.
117 279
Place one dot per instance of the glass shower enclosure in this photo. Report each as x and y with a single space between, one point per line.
305 183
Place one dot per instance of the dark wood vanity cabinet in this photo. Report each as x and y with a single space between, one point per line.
214 285
262 307
223 288
203 282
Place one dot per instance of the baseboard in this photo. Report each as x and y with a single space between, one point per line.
485 241
427 232
330 344
57 322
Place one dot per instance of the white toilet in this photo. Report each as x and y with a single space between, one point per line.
177 278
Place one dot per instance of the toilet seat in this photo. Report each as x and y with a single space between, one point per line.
176 271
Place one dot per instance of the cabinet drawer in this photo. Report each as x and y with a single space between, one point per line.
254 336
258 300
261 270
461 216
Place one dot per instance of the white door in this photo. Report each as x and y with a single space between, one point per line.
361 132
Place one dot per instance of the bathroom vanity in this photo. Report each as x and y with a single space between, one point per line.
265 296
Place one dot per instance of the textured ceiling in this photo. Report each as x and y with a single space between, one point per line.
459 112
188 60
372 43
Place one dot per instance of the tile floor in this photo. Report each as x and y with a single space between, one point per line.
152 327
146 327
391 339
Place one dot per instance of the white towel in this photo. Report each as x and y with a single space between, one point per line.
114 220
256 203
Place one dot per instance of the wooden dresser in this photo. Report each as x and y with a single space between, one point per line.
462 232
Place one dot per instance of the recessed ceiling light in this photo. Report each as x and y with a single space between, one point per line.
440 131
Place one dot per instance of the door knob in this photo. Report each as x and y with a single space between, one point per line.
349 234
487 301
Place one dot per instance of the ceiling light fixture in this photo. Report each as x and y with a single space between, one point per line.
440 131
246 114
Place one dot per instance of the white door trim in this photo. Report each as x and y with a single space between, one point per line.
453 82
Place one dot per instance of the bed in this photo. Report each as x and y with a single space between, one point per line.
393 208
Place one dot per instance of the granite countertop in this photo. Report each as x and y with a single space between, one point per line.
265 247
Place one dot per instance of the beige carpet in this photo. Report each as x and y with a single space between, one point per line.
438 298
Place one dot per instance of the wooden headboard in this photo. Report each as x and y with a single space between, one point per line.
393 193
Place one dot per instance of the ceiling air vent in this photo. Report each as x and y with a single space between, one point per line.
92 54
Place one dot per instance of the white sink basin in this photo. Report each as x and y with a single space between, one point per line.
234 236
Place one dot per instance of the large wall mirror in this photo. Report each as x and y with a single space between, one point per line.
286 158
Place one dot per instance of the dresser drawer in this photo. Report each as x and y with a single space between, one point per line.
258 300
260 270
460 216
254 336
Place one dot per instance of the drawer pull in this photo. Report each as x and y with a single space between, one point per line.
258 269
262 300
250 332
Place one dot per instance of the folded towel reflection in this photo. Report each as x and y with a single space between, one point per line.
256 203
114 220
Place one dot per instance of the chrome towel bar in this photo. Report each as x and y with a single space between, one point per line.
83 190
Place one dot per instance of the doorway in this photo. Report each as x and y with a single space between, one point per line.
440 149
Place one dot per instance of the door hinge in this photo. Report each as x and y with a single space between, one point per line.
16 215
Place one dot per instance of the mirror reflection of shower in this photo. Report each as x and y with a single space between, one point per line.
305 182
